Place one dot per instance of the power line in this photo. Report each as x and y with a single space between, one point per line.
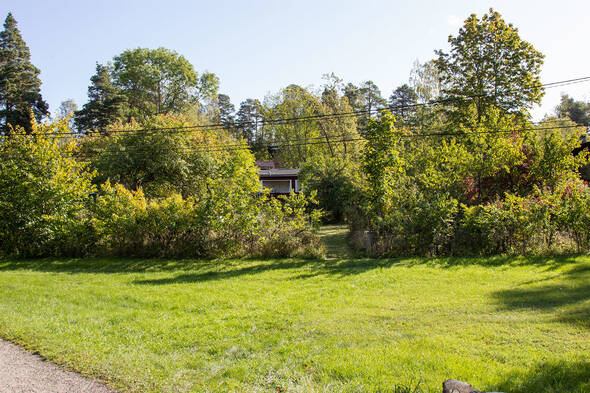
281 121
314 141
566 82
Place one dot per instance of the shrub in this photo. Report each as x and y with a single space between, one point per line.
128 224
417 225
492 185
337 185
43 193
49 207
545 221
286 229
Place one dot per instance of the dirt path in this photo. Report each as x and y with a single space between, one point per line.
334 238
23 372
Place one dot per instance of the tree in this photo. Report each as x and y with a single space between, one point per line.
163 163
403 101
67 109
43 191
365 99
576 111
106 103
226 111
490 65
247 119
160 81
425 80
20 87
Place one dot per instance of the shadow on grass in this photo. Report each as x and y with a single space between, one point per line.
206 270
569 299
104 265
233 267
226 271
559 377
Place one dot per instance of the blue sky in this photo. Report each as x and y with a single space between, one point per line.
258 47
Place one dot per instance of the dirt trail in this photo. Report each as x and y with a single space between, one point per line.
24 372
334 238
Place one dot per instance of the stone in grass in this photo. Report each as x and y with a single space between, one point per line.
454 386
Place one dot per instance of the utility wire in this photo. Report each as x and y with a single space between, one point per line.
313 141
281 121
430 132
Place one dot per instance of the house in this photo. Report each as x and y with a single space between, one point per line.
280 181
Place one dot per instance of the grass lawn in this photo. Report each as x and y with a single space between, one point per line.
361 325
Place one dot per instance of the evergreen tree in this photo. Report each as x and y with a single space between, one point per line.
403 101
576 111
226 111
20 87
247 118
366 99
106 104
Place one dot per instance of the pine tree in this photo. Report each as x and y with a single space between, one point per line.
20 87
106 104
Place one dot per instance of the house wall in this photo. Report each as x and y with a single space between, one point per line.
280 185
277 186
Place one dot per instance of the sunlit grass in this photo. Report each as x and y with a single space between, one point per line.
502 324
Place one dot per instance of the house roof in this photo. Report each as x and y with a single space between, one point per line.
287 172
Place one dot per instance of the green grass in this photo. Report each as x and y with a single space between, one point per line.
502 324
334 238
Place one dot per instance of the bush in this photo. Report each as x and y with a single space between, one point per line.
505 188
416 226
43 194
337 185
286 229
546 221
49 207
128 224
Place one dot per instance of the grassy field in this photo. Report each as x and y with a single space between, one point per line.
360 325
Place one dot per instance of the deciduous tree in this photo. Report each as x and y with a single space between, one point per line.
160 81
490 65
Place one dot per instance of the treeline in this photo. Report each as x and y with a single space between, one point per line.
178 200
159 163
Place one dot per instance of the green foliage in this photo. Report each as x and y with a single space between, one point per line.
142 83
425 80
546 221
576 111
160 81
106 103
384 160
20 87
496 185
201 201
225 111
228 223
337 184
43 194
403 101
364 98
287 228
490 64
165 162
248 117
295 143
